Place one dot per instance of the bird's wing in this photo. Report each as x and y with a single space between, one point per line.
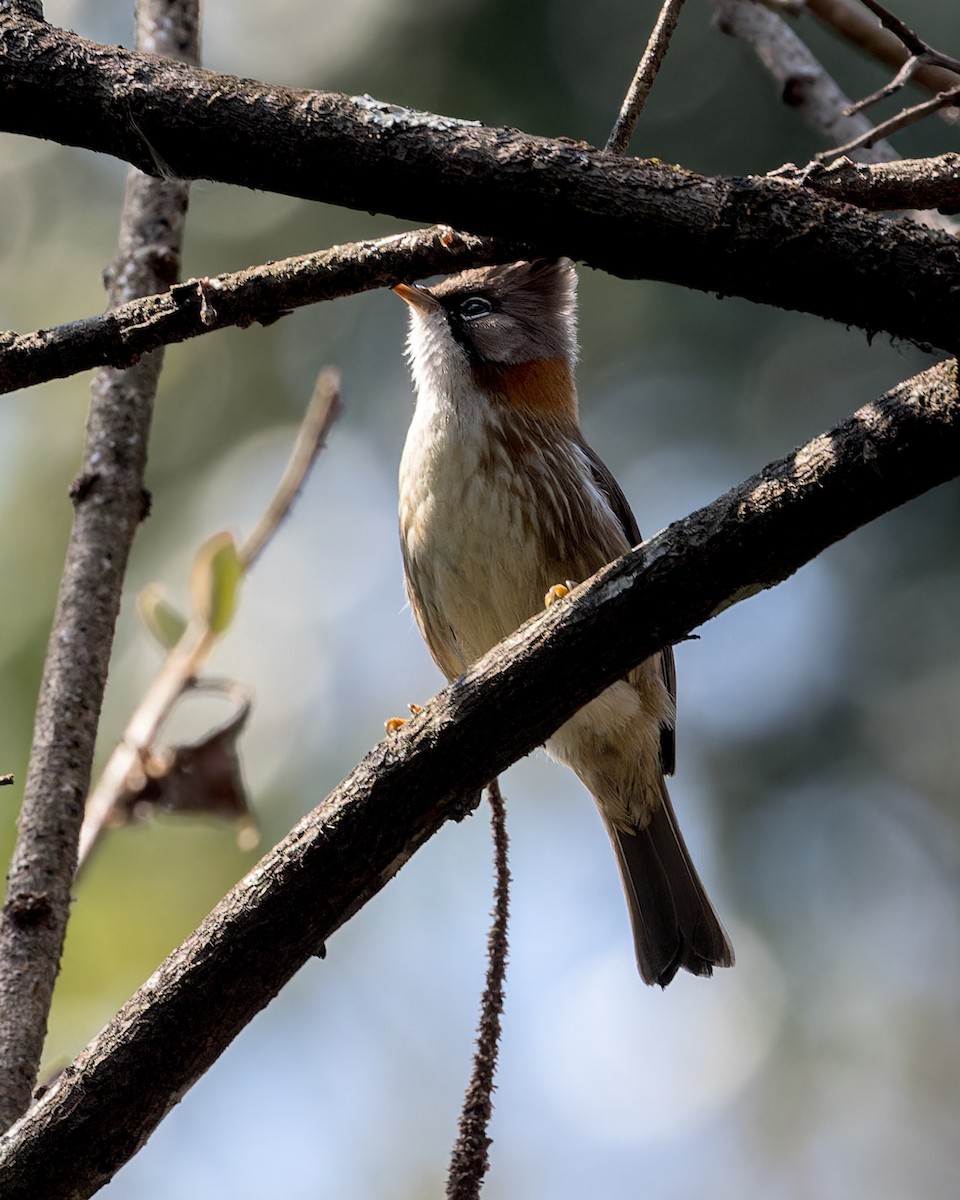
628 522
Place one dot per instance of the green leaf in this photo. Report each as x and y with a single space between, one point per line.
215 582
160 617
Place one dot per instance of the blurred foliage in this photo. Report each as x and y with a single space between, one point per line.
819 723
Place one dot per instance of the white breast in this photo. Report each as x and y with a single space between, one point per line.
472 521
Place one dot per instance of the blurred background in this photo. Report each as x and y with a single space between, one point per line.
819 724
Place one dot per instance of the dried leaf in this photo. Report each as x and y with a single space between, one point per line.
201 777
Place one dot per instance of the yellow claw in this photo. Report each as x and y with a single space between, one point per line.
396 723
557 592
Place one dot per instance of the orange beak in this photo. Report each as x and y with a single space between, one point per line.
416 297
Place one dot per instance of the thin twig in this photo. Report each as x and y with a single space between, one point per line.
848 19
639 90
901 79
469 1160
186 659
804 84
902 119
324 408
911 40
920 54
109 500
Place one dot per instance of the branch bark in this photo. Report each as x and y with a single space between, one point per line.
848 18
109 501
762 239
906 183
805 86
261 294
102 1108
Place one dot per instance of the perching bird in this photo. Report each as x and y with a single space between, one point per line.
501 499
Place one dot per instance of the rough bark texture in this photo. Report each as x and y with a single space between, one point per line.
108 497
261 294
104 1106
908 183
767 240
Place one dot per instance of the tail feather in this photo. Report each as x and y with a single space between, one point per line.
674 923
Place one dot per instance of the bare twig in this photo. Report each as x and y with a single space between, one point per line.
902 77
639 90
804 84
322 411
847 18
469 1161
103 1106
902 119
921 54
109 502
185 660
915 44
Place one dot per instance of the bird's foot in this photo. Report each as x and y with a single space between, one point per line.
396 723
557 592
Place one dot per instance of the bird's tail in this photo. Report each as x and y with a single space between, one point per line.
674 923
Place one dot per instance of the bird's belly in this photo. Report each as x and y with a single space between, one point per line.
473 561
489 524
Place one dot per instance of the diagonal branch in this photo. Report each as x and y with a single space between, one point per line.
848 19
256 295
805 86
895 123
109 504
640 88
912 41
760 239
102 1108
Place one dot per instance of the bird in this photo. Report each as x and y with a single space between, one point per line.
503 506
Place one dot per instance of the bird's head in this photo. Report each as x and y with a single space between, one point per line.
509 331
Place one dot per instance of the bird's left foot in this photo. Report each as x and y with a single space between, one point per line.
557 592
397 723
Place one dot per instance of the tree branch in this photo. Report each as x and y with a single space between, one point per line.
102 1108
261 294
847 17
805 86
905 183
109 501
640 87
762 239
894 124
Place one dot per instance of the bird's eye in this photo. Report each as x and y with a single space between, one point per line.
475 306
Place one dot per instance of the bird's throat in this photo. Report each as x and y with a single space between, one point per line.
543 387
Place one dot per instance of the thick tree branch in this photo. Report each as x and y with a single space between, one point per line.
109 502
762 239
100 1110
260 294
